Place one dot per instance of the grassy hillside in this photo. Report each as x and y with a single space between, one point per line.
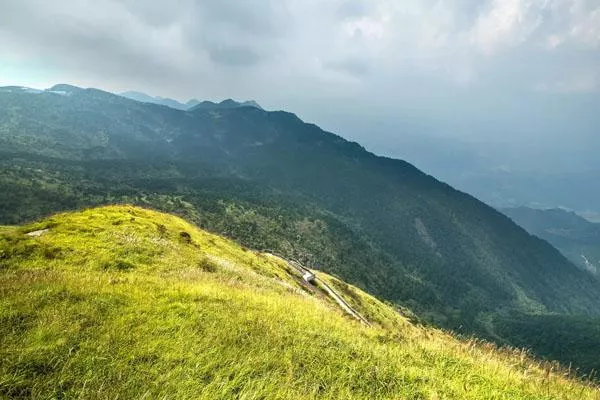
122 302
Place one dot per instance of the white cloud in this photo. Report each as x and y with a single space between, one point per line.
216 47
364 27
506 23
586 24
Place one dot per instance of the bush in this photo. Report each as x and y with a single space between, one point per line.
208 265
51 252
119 265
185 237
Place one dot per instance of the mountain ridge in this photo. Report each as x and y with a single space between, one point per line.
190 105
576 237
227 103
269 180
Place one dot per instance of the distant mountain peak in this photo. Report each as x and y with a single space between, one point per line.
190 105
556 215
192 102
225 104
252 103
63 87
164 101
229 103
24 89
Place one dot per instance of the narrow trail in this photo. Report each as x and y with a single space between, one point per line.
311 277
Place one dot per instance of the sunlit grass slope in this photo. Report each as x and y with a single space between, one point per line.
122 302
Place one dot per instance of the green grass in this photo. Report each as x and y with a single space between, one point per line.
6 229
122 302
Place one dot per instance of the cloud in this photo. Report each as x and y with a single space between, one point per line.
233 55
453 38
439 66
353 66
506 22
585 25
264 18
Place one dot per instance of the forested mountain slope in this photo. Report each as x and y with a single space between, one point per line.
577 238
272 181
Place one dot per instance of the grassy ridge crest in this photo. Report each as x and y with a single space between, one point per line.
124 302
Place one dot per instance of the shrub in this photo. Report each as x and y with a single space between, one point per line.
208 265
51 252
162 230
119 265
185 237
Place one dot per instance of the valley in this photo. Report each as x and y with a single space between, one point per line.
577 238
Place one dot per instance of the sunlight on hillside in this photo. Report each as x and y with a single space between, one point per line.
123 302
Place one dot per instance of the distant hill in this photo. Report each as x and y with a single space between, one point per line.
225 104
271 181
190 105
576 237
10 89
139 96
161 309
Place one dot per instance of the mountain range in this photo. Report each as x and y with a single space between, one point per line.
144 98
576 237
272 181
189 105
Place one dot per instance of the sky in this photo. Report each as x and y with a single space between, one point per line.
446 84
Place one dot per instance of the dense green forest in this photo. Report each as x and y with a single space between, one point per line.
577 238
271 181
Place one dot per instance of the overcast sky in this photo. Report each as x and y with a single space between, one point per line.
521 73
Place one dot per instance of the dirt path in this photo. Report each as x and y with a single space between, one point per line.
304 272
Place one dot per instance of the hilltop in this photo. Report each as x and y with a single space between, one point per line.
225 104
125 302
